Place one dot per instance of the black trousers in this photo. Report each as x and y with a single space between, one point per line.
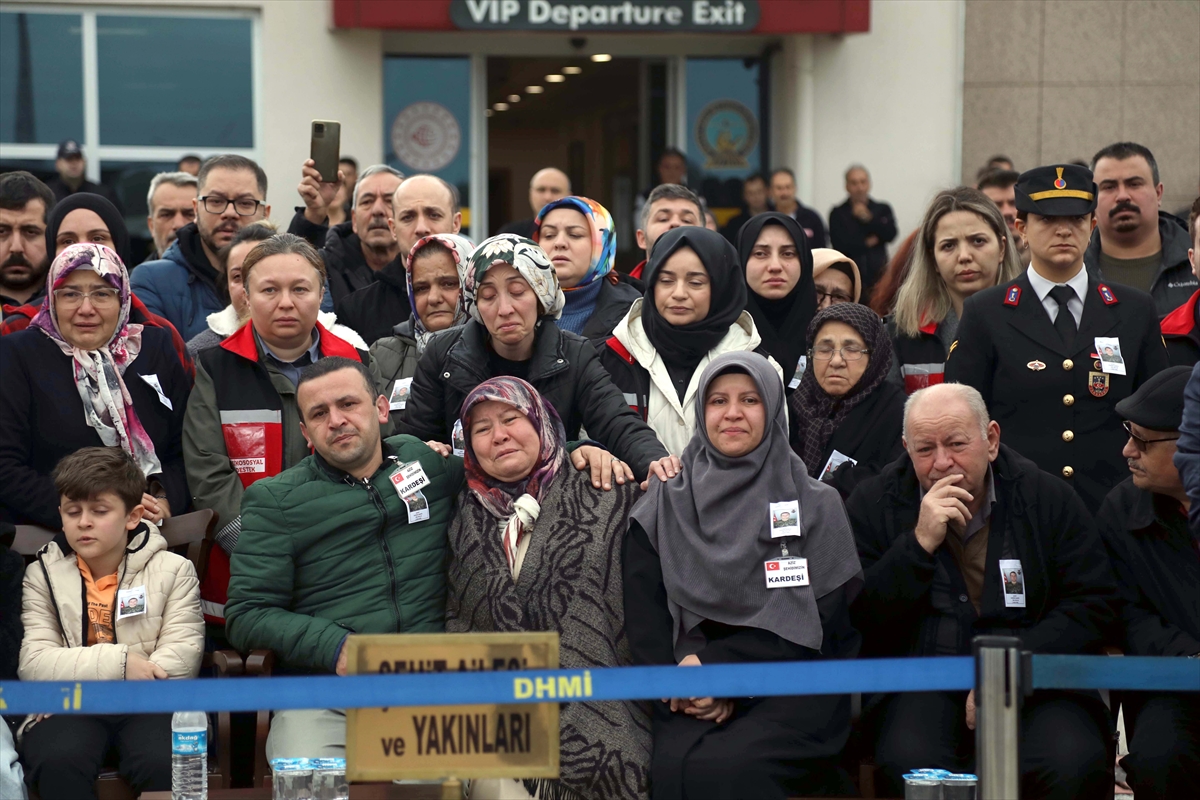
64 753
1164 744
1063 745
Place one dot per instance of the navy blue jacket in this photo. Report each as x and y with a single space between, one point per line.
1187 449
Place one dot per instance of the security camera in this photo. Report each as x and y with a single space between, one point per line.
578 42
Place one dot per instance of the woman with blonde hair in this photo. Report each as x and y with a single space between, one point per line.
962 246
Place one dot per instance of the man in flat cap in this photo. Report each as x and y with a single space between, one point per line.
1157 563
1033 347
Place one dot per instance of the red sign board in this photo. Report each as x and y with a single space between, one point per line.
774 16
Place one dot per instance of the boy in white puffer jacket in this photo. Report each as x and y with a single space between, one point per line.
105 601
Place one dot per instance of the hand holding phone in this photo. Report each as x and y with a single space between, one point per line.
325 148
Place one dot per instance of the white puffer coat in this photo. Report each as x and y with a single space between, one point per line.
170 632
672 421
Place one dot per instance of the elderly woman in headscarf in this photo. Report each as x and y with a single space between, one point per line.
847 416
434 272
536 547
694 310
743 558
577 234
83 375
780 277
836 276
512 295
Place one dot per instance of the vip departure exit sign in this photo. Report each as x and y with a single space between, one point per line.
606 15
436 742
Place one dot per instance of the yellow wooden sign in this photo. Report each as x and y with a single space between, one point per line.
518 740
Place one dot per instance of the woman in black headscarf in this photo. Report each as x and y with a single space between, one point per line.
742 558
85 217
694 310
778 266
847 417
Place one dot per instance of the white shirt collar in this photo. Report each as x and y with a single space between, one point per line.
1042 287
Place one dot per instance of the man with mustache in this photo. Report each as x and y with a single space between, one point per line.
1136 243
25 202
356 250
182 286
1144 524
1032 347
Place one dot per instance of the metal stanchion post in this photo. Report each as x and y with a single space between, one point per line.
998 694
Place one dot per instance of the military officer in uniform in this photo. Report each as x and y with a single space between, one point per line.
1033 347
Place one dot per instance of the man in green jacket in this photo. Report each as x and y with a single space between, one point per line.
330 547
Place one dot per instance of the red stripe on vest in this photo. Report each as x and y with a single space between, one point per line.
242 343
615 345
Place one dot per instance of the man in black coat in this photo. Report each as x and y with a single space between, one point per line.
71 167
861 228
1033 347
1157 564
356 250
423 204
939 531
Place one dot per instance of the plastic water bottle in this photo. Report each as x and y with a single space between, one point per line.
189 756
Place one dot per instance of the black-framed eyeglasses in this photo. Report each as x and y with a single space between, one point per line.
833 297
1140 443
850 352
244 206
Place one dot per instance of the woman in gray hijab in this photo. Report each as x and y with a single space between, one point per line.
742 558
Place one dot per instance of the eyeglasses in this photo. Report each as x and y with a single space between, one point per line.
244 206
835 297
851 352
73 298
1140 443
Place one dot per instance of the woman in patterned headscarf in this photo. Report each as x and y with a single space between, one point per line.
577 233
536 547
512 294
81 375
434 271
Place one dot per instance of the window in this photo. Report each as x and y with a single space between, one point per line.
154 100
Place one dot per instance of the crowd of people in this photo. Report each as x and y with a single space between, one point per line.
751 448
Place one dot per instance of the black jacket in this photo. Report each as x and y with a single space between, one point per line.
918 361
521 227
1174 283
41 420
62 190
814 226
1054 404
1157 564
612 304
1069 588
340 247
564 369
848 234
377 308
12 573
870 434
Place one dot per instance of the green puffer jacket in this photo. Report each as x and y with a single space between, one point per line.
322 555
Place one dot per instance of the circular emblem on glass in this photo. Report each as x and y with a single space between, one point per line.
726 132
426 136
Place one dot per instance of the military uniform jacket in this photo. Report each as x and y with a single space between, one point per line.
1054 404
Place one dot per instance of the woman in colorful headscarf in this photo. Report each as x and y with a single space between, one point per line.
578 235
743 558
847 416
512 295
82 375
536 547
434 272
694 310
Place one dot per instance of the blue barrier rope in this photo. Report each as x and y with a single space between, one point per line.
626 683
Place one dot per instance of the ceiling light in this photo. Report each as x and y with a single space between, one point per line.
534 89
501 106
600 58
514 98
572 70
555 78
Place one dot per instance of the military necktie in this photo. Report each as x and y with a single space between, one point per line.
1064 323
